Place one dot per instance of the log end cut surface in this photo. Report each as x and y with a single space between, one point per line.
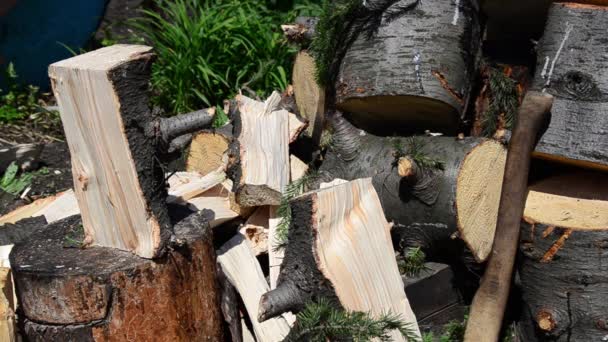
376 113
478 195
101 293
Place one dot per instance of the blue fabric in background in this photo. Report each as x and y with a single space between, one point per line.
32 30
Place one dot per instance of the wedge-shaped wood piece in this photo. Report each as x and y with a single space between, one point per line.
242 269
7 306
256 230
572 69
298 168
260 154
340 247
218 204
104 109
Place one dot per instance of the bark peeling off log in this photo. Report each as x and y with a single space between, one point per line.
417 70
97 293
564 298
573 68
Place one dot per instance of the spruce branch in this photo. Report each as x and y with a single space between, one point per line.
414 149
321 321
292 190
412 263
504 101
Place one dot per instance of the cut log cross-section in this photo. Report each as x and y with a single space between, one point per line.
331 230
562 243
119 186
208 150
310 97
429 205
260 153
570 68
105 294
416 71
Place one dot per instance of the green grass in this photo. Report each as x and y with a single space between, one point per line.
210 50
17 102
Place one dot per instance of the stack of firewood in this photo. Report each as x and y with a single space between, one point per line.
305 196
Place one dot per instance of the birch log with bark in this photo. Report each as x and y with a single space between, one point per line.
104 294
340 248
429 204
259 156
102 96
562 274
570 68
416 72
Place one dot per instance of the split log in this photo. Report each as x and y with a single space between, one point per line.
297 168
416 71
209 150
184 186
562 274
24 155
119 185
104 294
260 153
488 306
296 127
331 229
7 306
310 97
243 270
430 204
256 230
217 203
570 69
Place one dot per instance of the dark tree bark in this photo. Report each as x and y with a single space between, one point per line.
424 206
564 283
416 72
573 68
103 294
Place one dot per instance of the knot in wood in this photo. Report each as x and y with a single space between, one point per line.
545 320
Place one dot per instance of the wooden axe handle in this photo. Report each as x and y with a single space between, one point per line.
487 309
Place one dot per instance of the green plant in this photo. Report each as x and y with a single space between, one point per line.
412 263
12 183
414 148
17 102
220 118
292 190
209 50
322 322
454 331
504 101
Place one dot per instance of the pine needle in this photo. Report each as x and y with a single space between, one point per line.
412 263
504 101
414 149
321 321
292 190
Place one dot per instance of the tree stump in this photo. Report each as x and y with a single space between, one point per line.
104 294
562 244
416 71
570 68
